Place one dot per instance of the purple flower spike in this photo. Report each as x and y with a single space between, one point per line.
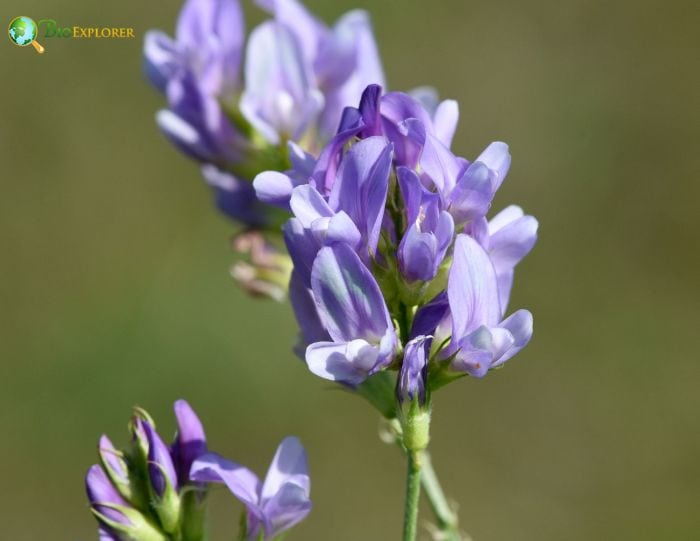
103 496
161 469
190 441
414 370
273 506
480 340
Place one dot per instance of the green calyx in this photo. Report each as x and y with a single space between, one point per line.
137 527
193 515
168 505
378 390
415 426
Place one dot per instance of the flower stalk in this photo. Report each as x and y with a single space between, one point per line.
413 482
447 520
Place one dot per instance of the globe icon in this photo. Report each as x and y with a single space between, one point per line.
22 31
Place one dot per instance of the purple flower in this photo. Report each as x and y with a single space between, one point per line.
431 316
352 309
208 43
117 519
473 192
190 441
279 98
361 187
430 231
196 70
273 505
112 461
162 478
104 498
275 187
372 240
414 370
341 61
480 338
353 211
145 492
342 209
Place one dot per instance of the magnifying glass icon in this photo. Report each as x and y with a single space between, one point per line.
22 32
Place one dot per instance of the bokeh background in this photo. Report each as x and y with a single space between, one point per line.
114 286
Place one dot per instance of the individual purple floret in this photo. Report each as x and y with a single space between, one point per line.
160 464
414 370
430 230
190 440
481 338
273 505
353 311
104 498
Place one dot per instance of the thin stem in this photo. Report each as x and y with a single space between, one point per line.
447 521
410 518
404 323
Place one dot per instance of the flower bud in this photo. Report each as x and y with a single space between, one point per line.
103 496
414 371
190 441
412 394
163 480
138 434
115 467
116 518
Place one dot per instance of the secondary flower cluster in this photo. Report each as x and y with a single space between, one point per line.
297 76
156 492
395 263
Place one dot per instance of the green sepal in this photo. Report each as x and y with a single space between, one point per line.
440 374
139 439
415 425
139 527
378 390
124 488
168 505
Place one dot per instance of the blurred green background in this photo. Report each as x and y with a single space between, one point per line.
115 287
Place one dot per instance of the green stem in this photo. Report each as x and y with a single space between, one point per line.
410 518
447 521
